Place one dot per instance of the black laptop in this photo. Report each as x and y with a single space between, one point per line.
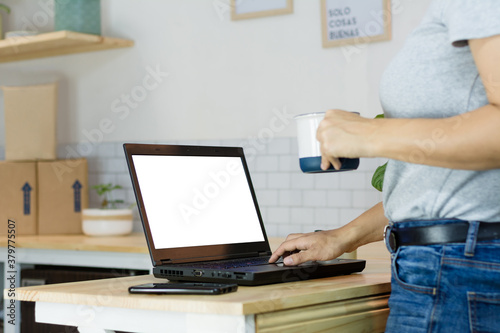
202 221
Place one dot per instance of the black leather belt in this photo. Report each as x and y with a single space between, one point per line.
437 234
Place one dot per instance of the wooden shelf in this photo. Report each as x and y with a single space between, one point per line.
56 43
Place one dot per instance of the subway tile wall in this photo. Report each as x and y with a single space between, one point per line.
290 201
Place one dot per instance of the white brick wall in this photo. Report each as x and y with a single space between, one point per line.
290 200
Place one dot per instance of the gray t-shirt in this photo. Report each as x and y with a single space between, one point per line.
434 76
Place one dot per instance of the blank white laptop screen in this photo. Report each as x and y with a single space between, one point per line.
197 200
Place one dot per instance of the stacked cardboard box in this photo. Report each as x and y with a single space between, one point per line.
62 194
39 194
18 197
30 122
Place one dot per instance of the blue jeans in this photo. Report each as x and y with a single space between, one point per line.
445 288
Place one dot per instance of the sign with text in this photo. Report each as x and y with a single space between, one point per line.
355 21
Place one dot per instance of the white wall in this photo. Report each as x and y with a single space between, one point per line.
224 77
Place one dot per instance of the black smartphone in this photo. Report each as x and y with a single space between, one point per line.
189 288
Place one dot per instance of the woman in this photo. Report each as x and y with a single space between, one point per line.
441 195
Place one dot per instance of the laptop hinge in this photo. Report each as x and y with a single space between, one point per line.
194 259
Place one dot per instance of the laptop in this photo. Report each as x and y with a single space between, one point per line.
202 221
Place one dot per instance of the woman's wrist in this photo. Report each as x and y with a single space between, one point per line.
375 138
366 228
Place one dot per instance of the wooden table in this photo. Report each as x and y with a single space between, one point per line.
353 303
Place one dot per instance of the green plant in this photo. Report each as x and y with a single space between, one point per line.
378 175
105 192
5 8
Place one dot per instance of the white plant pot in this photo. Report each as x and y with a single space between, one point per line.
107 222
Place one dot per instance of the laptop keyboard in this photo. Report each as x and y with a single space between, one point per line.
233 263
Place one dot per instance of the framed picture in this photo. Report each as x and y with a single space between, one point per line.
353 22
246 9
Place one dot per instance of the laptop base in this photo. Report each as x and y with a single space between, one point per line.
261 275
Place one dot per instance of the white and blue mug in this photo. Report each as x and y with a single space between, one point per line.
309 147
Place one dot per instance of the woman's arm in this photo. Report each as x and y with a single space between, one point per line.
468 141
330 244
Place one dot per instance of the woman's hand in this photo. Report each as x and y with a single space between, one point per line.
344 134
321 245
327 245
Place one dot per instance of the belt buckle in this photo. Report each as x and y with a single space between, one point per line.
390 239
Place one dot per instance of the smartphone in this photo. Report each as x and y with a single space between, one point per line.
189 288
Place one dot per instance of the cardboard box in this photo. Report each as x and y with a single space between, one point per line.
62 194
30 122
18 197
